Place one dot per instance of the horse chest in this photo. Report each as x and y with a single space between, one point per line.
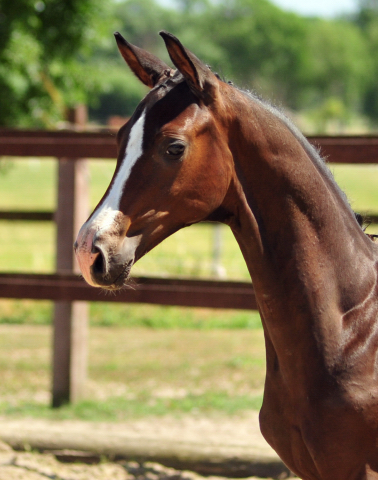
321 439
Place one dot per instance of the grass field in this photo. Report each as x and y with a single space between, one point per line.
136 372
142 359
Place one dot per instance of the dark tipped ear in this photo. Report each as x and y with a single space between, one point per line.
199 77
148 68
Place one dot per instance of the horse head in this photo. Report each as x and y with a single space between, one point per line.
171 168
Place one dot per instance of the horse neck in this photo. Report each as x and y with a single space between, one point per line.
307 256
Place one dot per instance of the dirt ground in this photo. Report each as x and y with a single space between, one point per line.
68 440
35 466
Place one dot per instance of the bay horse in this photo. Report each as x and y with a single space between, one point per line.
198 148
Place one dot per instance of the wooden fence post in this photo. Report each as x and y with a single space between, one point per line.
70 318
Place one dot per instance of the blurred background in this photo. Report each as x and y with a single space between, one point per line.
317 60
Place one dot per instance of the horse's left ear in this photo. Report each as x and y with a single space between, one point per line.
200 78
148 68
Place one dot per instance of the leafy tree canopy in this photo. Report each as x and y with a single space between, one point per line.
44 47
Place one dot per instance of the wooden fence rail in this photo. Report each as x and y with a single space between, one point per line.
158 291
30 143
40 216
69 291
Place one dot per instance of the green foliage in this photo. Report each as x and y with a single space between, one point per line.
340 69
262 46
54 54
139 21
119 93
44 49
367 20
331 109
299 62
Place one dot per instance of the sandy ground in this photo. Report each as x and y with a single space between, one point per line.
33 466
203 438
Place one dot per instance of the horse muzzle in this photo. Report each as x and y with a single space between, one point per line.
105 257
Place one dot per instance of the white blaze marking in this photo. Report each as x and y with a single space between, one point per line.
105 215
103 219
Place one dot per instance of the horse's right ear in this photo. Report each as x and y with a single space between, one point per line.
199 77
148 68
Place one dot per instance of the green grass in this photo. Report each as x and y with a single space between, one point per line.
28 184
121 409
29 312
172 317
360 183
27 247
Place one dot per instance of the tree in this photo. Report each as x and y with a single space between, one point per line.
254 43
367 21
44 46
139 21
340 63
367 13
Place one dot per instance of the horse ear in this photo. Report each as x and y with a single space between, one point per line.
148 68
198 75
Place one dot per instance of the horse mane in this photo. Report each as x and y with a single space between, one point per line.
313 152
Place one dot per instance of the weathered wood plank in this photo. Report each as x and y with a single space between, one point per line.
158 291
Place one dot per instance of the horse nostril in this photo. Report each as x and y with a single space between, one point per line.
99 264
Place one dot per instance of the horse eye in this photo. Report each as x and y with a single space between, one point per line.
175 150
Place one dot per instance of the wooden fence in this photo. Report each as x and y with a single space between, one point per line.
68 291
